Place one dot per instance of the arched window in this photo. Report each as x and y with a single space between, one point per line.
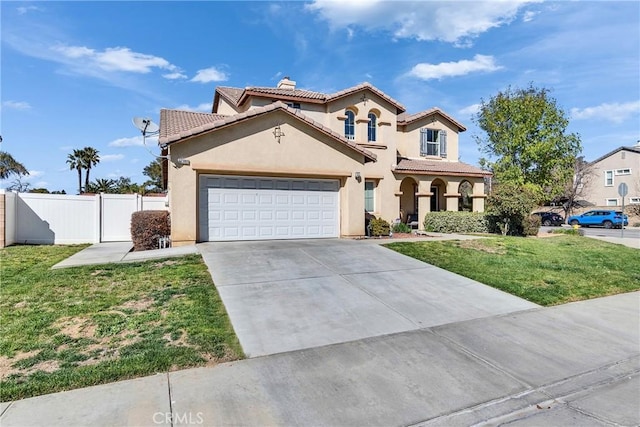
371 129
350 125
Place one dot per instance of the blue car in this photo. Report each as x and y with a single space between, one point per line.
600 218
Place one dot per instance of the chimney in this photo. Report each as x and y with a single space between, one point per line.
287 84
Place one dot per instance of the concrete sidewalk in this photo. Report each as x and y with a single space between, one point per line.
109 252
630 242
575 364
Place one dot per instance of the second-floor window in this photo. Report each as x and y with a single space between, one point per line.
350 125
608 178
433 142
371 130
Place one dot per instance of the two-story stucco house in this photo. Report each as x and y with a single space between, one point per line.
284 163
609 171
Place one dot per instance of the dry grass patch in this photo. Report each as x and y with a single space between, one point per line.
69 328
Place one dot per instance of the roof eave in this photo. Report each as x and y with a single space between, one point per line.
220 124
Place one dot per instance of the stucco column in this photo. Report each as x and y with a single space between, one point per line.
424 206
478 196
478 202
352 207
452 201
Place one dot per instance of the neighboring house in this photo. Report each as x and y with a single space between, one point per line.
282 163
609 171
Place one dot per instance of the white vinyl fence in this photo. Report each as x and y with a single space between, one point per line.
64 219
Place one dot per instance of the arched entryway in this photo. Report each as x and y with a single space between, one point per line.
408 199
438 190
465 200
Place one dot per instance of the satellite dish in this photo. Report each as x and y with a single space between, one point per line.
146 125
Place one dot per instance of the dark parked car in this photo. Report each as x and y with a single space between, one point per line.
549 218
599 217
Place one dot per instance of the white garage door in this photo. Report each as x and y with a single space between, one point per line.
257 208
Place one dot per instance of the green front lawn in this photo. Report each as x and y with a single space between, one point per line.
546 271
81 326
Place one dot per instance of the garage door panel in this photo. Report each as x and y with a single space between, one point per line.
250 208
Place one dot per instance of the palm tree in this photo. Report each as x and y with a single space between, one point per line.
74 161
90 158
102 185
10 166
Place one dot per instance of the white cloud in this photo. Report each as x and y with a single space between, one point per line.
452 22
16 105
35 174
615 112
469 110
480 63
175 76
211 74
114 59
111 157
529 15
66 148
25 9
135 141
127 142
203 108
41 184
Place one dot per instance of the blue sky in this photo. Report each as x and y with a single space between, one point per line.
75 73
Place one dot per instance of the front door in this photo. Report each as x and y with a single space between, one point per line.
434 199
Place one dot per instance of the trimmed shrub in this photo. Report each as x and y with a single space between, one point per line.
379 227
456 222
531 225
147 227
400 227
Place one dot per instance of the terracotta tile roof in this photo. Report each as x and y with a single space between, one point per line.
405 119
284 93
176 125
238 96
232 94
366 85
175 122
438 167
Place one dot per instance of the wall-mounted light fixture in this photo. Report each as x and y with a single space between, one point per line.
183 162
277 133
364 98
358 176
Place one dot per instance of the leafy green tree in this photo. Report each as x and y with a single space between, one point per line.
154 171
526 139
10 166
123 185
74 160
509 206
89 157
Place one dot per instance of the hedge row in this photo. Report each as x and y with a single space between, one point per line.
477 222
456 222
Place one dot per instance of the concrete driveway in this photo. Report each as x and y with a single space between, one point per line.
290 295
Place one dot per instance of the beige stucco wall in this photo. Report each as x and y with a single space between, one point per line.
408 140
225 108
597 192
250 148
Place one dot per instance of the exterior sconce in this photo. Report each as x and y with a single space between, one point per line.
183 162
358 176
